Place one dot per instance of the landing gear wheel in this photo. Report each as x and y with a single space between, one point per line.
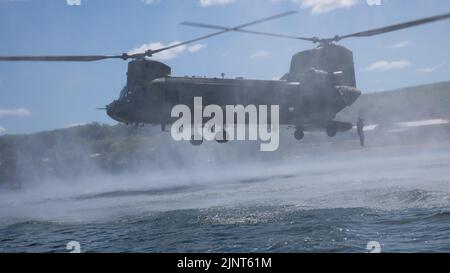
299 134
222 137
196 142
331 131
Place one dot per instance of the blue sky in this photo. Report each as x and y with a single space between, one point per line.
42 96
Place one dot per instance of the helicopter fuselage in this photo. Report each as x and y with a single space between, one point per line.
320 84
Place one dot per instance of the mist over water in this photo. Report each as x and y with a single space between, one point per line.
302 201
324 196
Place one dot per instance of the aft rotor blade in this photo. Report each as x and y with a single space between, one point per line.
201 25
266 19
90 58
193 24
396 27
223 30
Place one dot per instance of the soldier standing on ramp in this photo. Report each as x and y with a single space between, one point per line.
360 129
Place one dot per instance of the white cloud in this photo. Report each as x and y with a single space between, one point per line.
262 54
148 2
323 6
196 48
71 125
386 66
73 2
317 6
399 45
168 54
207 3
203 3
162 56
2 131
19 112
431 69
6 1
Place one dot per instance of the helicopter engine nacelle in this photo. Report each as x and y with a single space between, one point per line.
334 60
143 72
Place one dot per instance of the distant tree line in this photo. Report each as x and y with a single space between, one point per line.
113 149
408 104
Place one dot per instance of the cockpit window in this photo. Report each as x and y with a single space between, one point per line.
124 92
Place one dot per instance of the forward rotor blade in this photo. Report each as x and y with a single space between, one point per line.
125 56
396 27
58 58
223 30
151 52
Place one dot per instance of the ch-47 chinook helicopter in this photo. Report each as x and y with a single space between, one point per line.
320 83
